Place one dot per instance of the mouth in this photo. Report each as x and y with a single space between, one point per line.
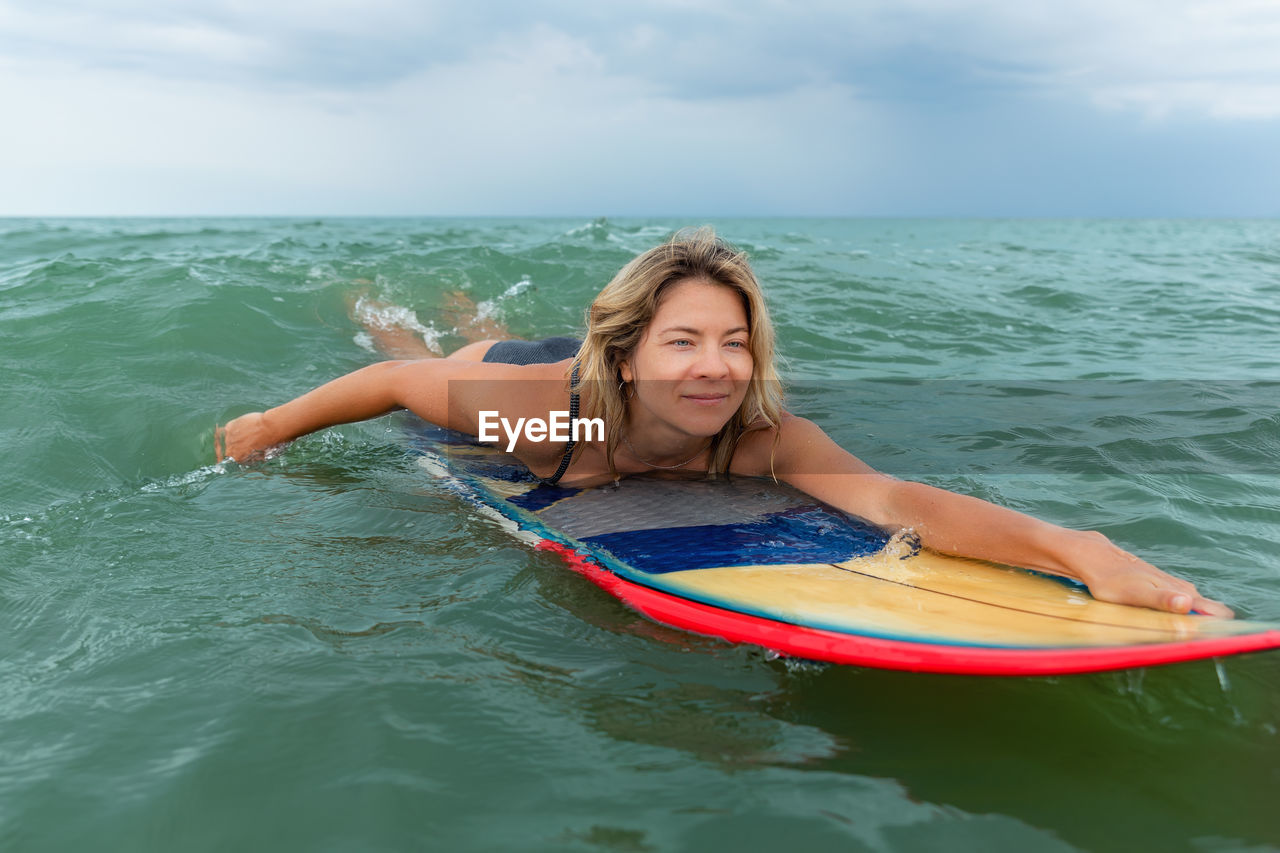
706 399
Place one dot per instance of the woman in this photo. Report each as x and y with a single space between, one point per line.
678 364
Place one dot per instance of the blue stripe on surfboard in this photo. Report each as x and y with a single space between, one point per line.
542 497
803 535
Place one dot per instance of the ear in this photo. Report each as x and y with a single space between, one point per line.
624 368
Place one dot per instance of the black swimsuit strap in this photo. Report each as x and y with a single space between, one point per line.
568 448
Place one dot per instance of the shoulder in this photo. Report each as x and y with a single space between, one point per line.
452 392
791 431
762 445
795 444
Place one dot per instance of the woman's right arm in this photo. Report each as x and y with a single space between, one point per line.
420 386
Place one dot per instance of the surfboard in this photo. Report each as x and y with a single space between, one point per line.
751 561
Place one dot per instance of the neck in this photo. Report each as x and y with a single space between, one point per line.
659 446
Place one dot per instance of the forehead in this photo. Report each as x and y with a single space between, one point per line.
708 300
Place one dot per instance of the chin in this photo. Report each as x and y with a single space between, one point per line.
706 427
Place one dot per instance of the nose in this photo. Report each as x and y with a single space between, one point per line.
711 364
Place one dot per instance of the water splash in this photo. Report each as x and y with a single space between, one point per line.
901 545
191 478
380 315
490 308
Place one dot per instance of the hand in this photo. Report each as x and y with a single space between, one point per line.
245 439
1117 576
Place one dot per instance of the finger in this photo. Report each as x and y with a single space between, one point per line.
1175 601
219 443
1209 607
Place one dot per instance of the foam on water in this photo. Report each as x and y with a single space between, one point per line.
491 309
381 315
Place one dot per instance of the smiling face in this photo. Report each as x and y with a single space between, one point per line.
692 366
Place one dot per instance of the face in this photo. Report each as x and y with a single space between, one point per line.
691 369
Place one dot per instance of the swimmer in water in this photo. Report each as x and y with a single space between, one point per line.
678 363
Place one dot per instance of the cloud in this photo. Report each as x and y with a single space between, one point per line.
532 123
655 106
1155 56
343 45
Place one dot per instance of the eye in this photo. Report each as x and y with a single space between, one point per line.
682 343
737 344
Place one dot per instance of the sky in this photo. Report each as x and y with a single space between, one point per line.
643 108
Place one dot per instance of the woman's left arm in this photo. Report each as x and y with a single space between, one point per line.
806 458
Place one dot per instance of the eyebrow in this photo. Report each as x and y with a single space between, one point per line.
689 330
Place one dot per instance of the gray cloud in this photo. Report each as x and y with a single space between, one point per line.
1152 55
655 106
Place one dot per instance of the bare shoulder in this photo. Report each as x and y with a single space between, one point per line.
453 392
762 444
796 445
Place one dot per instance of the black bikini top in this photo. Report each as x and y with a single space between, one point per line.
568 448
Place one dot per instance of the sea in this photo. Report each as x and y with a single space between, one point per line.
330 651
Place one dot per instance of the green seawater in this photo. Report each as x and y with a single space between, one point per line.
330 651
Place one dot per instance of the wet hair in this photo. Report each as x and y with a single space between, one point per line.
621 313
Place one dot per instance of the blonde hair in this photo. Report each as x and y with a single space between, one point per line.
620 314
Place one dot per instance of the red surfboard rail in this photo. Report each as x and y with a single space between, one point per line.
834 647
